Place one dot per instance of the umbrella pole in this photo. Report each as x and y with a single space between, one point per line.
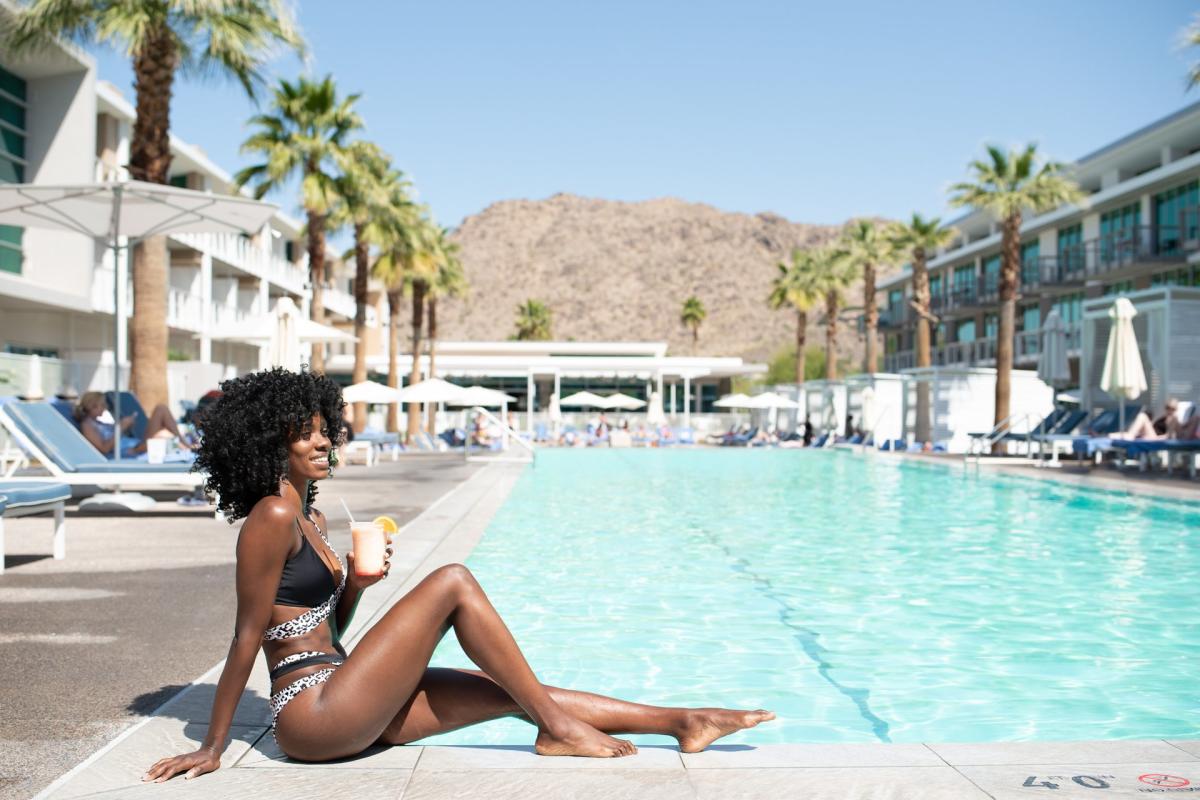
118 313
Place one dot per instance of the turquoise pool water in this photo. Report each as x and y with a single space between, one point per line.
863 599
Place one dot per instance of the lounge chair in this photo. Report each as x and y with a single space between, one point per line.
1062 434
1141 449
130 405
1098 439
62 450
741 439
20 499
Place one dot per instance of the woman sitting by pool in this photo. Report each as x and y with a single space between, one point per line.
102 434
1167 426
264 446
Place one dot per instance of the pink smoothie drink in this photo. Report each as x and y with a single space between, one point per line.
369 545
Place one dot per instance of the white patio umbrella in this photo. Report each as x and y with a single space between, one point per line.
623 401
33 382
771 400
654 412
481 396
263 329
585 399
736 400
135 210
370 392
1052 366
1124 375
430 390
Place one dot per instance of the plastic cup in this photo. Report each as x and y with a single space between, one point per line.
369 545
156 450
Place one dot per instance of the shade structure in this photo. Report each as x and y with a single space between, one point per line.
1052 366
623 401
285 339
133 209
585 399
736 400
370 392
1124 376
654 413
482 396
771 400
430 390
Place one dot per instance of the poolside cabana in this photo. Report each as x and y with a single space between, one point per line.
1168 333
825 404
963 401
879 411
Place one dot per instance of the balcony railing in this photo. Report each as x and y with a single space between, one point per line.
895 316
185 310
339 302
242 253
1027 346
1145 244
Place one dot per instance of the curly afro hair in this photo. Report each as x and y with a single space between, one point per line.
245 434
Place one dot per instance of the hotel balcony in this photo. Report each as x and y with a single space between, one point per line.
1027 346
338 302
185 310
895 316
240 252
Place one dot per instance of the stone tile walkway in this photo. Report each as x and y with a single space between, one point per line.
254 767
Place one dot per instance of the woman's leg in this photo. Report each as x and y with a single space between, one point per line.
448 699
161 420
1142 428
383 672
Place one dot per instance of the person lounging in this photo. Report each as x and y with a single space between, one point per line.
103 436
1166 426
296 595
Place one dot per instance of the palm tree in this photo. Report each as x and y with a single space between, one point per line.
534 321
921 238
448 280
833 273
1191 38
1006 185
397 233
304 136
161 37
867 246
364 191
795 287
691 316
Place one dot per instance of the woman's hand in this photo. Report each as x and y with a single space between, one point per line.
191 764
359 582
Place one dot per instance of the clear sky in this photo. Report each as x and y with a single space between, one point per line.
816 111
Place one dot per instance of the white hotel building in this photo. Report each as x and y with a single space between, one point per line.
60 125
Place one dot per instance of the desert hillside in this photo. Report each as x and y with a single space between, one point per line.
620 271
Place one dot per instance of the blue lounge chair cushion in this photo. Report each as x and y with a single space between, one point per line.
130 405
1137 447
1088 446
3 504
21 494
64 444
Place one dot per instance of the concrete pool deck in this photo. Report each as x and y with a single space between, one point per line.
448 531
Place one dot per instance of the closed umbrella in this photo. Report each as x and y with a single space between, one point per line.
33 385
623 402
1123 376
1052 366
285 338
867 399
370 392
654 413
555 413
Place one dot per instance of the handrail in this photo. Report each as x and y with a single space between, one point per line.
997 433
509 434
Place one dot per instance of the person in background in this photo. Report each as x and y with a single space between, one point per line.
808 430
1166 426
104 437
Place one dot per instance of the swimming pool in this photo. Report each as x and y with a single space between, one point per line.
863 599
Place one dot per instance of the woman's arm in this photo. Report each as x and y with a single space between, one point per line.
355 585
263 547
88 428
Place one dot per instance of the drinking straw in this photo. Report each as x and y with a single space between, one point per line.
348 514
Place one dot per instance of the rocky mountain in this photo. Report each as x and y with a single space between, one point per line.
618 271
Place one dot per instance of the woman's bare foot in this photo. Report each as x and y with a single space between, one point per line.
703 726
576 738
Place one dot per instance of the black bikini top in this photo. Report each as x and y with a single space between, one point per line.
306 580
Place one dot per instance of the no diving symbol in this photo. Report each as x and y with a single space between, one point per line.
1166 781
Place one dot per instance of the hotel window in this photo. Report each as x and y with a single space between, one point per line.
935 285
1118 229
895 298
1070 250
1175 216
939 334
12 160
1184 276
965 332
1030 256
1031 318
891 344
1070 307
991 326
991 274
964 282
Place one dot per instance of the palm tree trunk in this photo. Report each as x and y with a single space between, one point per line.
431 306
920 277
394 298
801 343
418 311
150 160
695 337
871 317
362 265
316 276
1010 270
831 308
